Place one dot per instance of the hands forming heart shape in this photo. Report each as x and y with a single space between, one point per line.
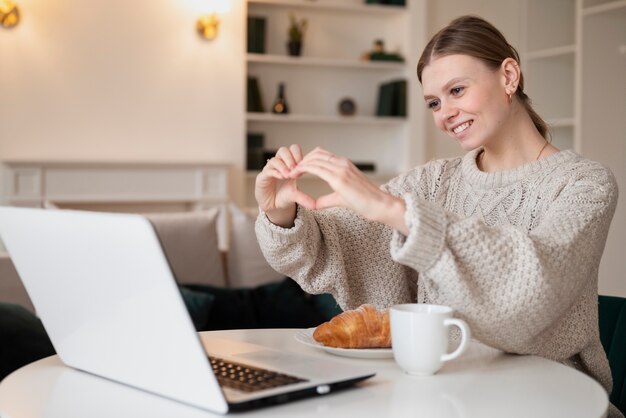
277 193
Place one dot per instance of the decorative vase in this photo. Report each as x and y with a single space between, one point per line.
280 104
294 48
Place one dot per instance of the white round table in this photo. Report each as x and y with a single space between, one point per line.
482 383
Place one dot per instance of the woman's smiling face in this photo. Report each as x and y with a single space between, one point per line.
467 98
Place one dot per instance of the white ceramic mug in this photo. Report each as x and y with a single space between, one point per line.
419 337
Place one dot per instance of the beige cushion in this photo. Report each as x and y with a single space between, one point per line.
189 240
246 264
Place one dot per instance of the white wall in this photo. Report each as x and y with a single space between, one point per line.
122 81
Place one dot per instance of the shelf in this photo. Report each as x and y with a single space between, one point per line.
551 52
548 24
324 62
333 69
329 119
561 122
550 83
619 5
328 5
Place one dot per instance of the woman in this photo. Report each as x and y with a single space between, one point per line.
509 235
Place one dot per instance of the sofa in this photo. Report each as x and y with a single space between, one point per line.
232 289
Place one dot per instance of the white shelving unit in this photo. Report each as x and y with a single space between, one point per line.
575 62
324 62
599 7
603 115
326 119
330 5
331 69
549 54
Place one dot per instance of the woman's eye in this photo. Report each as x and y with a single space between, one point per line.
457 90
433 105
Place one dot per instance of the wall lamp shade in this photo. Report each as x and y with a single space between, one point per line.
208 25
9 14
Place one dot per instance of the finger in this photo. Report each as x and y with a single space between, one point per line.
330 200
287 158
318 152
328 159
304 199
295 175
324 171
329 162
278 164
270 172
296 151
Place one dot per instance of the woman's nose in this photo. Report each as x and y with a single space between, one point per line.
448 111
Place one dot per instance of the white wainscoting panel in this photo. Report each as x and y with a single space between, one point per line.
134 187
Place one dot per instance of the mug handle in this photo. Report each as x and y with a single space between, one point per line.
465 337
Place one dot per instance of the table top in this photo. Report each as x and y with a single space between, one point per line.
483 382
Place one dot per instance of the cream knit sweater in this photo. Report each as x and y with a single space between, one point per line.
515 253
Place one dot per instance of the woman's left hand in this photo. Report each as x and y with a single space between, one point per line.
351 188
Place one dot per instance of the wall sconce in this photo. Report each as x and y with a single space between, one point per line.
9 14
208 25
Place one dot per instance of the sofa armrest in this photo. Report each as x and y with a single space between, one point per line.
11 287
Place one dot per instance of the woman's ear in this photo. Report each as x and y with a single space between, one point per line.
511 74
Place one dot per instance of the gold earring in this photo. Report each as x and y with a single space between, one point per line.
510 93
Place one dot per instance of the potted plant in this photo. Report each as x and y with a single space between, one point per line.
295 33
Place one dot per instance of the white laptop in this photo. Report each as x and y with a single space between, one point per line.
104 291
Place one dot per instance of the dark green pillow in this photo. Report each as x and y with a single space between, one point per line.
198 305
277 305
326 305
23 337
612 322
285 305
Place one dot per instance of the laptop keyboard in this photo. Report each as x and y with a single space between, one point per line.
249 379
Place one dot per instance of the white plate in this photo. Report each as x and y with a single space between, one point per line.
305 336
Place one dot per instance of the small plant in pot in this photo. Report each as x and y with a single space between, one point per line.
296 31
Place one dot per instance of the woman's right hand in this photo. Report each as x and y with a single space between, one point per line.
276 191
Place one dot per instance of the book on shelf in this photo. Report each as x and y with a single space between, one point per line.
268 154
387 2
254 101
392 99
385 100
254 151
385 56
400 98
256 34
365 166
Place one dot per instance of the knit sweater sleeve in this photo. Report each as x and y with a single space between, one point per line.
338 252
510 284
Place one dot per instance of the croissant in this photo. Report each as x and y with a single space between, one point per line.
364 327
